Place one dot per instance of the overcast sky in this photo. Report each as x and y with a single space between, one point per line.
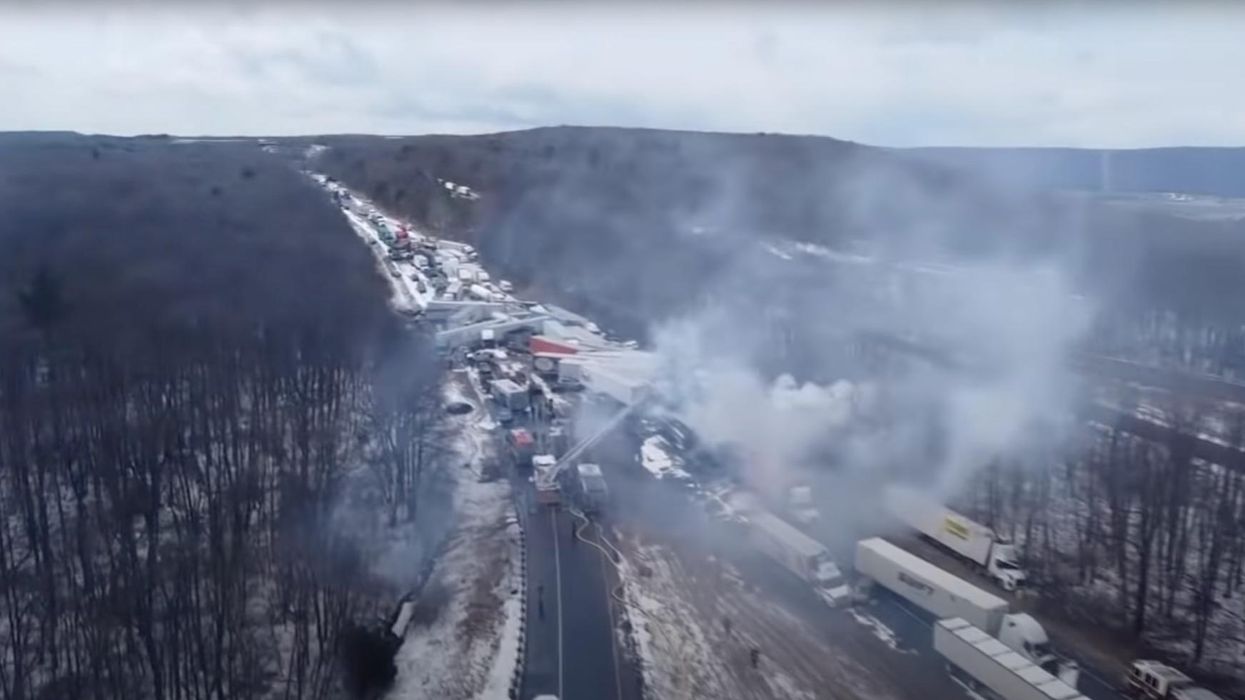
1116 75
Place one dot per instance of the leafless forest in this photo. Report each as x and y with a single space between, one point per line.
197 366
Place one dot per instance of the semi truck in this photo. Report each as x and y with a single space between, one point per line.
798 553
993 670
986 550
943 595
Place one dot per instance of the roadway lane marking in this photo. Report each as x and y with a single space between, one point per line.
609 607
557 568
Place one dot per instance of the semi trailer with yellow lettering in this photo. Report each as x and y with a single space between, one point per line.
989 552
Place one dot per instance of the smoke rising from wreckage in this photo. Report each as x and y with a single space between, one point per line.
810 338
911 323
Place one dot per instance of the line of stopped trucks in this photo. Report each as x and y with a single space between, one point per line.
990 650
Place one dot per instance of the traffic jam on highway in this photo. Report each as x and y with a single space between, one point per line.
563 395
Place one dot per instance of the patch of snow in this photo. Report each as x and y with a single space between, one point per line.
507 657
656 459
879 629
404 619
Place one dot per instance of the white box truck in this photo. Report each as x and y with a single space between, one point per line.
510 395
798 553
991 669
991 553
944 595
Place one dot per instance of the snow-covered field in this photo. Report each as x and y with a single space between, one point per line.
463 641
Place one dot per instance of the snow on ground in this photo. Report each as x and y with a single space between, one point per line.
681 611
677 657
406 294
879 629
656 459
463 639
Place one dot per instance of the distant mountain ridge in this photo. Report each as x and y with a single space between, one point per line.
1193 170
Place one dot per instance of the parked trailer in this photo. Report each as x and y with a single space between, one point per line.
992 669
928 587
798 553
981 546
624 390
944 595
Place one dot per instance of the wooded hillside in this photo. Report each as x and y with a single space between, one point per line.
189 334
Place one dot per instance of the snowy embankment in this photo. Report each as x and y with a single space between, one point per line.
463 640
695 623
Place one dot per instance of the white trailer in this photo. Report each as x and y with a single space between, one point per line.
928 587
944 595
798 553
992 669
624 390
981 546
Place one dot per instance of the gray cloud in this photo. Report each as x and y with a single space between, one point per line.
906 74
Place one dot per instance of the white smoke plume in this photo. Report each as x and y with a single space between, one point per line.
1003 389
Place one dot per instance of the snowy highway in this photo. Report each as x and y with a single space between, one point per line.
572 647
661 598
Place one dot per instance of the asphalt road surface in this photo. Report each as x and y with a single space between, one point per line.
573 649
